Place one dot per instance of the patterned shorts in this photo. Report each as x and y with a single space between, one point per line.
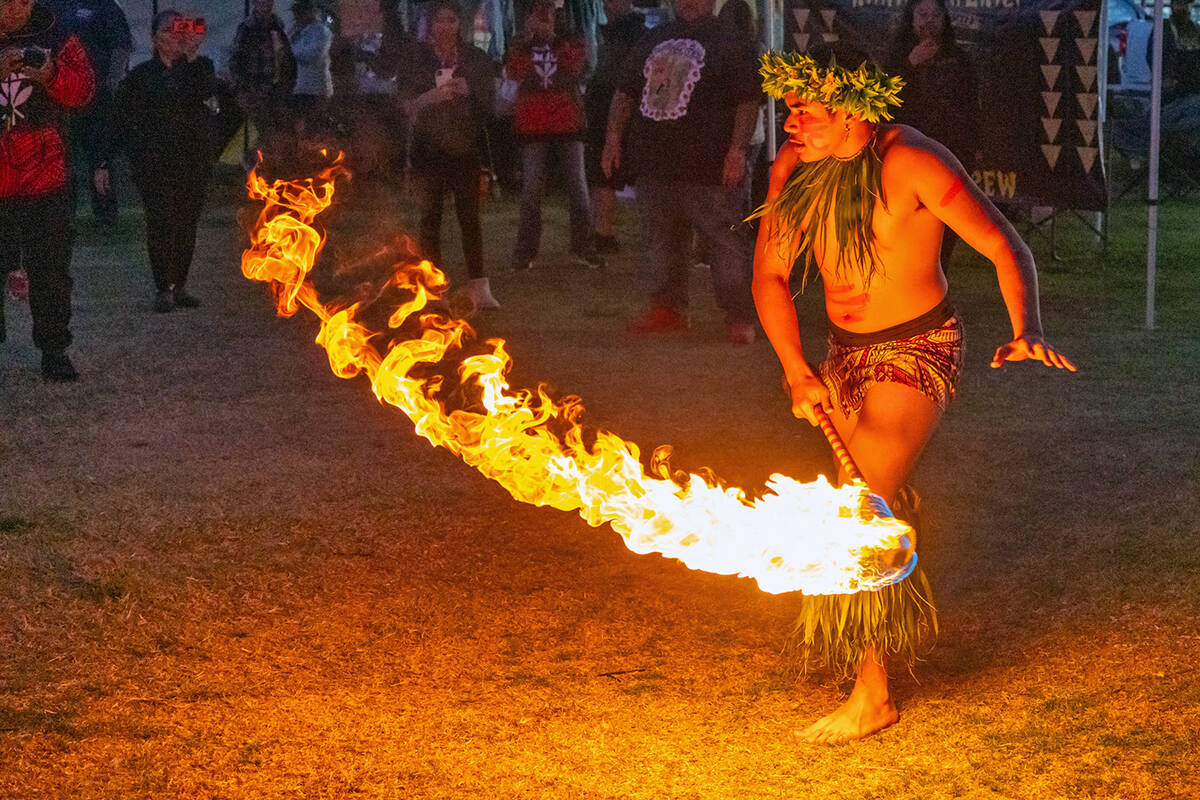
929 362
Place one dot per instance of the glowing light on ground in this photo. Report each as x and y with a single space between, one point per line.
808 537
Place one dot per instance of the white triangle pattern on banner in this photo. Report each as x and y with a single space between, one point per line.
1049 47
1085 18
1051 151
1087 127
1051 100
1087 49
801 15
1050 73
829 37
801 40
1051 126
827 14
1048 20
1088 156
1087 76
1087 103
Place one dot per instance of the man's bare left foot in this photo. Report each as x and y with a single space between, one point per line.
857 718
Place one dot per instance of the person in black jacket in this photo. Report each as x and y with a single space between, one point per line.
263 70
164 123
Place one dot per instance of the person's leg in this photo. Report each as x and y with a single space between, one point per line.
604 205
580 204
160 240
430 191
664 269
716 214
46 250
529 229
465 185
885 439
189 202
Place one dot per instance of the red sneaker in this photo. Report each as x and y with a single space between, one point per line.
659 319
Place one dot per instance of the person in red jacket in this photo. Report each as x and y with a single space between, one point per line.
548 113
44 71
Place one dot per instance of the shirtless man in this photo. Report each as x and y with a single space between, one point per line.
896 344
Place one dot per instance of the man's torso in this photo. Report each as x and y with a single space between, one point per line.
908 278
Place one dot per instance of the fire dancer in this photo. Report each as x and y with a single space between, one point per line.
867 203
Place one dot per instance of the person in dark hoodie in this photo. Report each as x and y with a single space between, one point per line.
548 114
625 26
164 124
44 71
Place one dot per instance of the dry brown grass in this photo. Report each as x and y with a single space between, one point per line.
228 574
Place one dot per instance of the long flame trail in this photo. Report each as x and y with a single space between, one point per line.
808 537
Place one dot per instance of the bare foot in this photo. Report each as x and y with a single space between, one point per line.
857 718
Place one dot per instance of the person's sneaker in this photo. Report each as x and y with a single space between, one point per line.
480 292
185 300
607 244
659 319
587 258
57 368
741 332
164 301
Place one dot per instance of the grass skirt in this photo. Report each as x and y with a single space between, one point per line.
834 631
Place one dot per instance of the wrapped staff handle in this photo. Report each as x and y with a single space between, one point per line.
839 447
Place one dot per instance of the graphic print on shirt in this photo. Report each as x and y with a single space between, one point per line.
14 91
672 71
545 63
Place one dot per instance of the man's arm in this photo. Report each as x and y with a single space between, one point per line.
619 112
744 120
943 186
773 298
67 75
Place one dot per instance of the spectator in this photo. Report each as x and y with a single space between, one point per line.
548 115
1181 52
164 122
448 92
941 91
311 40
625 26
43 70
737 13
694 85
263 70
104 31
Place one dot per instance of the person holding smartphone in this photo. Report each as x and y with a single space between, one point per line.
44 71
448 91
163 121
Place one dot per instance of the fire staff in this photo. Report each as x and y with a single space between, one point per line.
865 203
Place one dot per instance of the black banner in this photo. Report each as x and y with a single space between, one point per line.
1037 63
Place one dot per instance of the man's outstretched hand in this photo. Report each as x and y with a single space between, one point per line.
1031 347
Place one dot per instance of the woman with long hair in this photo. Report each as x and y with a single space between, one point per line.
941 91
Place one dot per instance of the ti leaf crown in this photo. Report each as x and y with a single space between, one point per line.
864 93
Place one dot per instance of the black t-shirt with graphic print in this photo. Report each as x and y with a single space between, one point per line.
686 82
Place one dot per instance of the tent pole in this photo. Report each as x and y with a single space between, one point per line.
769 40
1152 180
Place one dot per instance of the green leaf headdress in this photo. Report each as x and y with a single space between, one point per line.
864 93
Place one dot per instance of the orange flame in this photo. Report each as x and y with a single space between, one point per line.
808 537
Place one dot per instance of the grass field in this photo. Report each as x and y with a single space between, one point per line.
225 573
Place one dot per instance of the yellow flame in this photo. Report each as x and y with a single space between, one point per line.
808 537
